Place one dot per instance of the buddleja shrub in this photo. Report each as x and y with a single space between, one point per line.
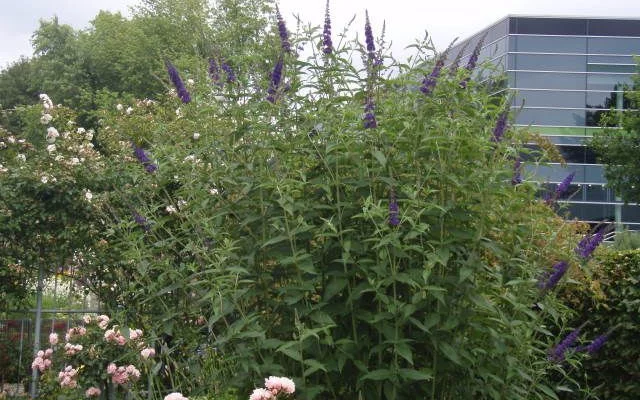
366 236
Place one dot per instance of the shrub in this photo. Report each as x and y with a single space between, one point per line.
611 373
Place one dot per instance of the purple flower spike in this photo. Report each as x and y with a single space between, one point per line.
588 244
501 126
177 82
142 221
368 37
282 30
557 354
144 159
551 278
369 117
597 344
327 44
276 78
564 185
214 72
231 76
473 60
517 175
429 82
393 209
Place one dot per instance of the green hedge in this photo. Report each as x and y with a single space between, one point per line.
613 372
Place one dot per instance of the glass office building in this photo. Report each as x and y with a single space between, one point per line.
564 75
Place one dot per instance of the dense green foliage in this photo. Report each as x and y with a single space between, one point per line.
611 374
617 148
264 229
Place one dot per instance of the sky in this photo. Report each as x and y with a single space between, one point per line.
406 20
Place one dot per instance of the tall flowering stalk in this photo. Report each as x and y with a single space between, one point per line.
558 353
276 79
429 81
214 72
144 159
282 31
500 128
394 220
561 189
596 344
517 172
327 44
177 82
551 278
588 244
368 37
231 75
369 117
141 221
473 61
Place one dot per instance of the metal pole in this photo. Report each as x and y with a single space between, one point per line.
36 339
20 351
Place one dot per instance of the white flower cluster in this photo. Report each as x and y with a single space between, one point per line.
46 102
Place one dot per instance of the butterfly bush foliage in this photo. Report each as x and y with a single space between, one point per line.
344 229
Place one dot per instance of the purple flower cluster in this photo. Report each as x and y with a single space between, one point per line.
142 221
177 82
557 354
282 30
561 189
144 159
550 279
231 76
429 81
517 175
327 44
214 72
588 244
368 37
369 117
597 344
276 78
501 126
564 185
393 209
473 60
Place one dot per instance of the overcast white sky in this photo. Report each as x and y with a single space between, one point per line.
406 20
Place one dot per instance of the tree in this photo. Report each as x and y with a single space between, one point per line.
618 148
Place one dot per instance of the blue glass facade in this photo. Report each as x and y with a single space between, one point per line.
564 74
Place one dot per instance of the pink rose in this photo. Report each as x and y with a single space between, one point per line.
260 394
93 392
53 338
111 368
277 384
175 396
148 352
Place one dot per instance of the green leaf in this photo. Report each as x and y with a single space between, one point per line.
380 157
416 375
378 375
450 352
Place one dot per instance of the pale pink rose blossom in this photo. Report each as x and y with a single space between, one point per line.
111 368
40 354
87 320
53 339
175 396
277 384
48 352
260 394
148 352
121 340
109 335
93 392
135 334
